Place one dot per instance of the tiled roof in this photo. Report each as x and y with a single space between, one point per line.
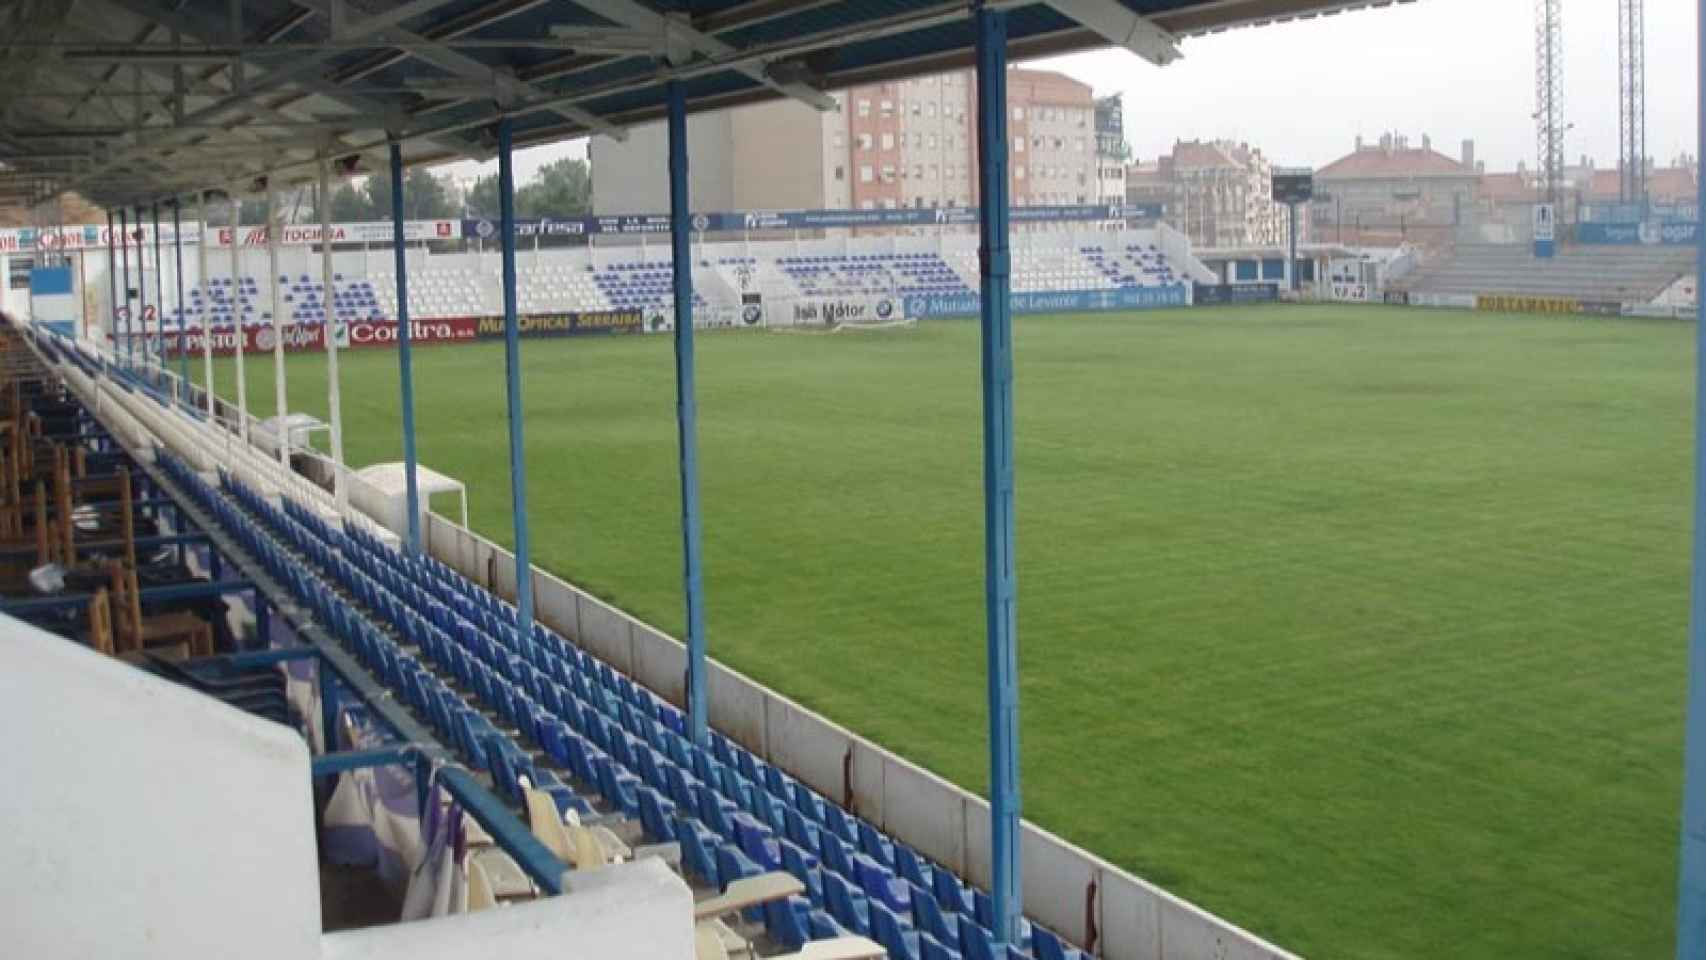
1379 162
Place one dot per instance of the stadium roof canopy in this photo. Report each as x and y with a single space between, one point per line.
129 100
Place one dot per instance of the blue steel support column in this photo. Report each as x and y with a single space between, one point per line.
124 264
1691 887
112 284
998 515
159 291
512 387
142 290
405 360
183 335
686 413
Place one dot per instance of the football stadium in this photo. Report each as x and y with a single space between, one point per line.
878 517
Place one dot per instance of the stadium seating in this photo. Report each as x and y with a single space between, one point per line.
1602 273
220 301
421 627
638 284
441 292
891 274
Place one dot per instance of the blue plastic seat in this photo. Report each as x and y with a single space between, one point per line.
794 860
927 916
788 921
881 884
697 850
1049 947
848 907
901 943
757 842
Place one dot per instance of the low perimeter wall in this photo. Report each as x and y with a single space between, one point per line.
1090 901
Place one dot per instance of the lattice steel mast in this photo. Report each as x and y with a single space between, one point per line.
1631 101
1548 98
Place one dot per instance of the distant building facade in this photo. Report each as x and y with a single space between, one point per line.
1389 192
909 143
1111 151
1218 192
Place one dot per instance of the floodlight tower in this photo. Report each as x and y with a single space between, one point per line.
1631 101
1549 98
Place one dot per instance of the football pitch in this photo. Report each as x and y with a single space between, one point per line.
1362 627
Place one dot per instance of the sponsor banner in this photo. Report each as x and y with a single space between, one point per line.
829 311
1664 232
1603 308
1355 292
304 234
256 339
379 333
1070 301
1513 303
1455 301
566 324
486 229
86 237
1223 293
1399 298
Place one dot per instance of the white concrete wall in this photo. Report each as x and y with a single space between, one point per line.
639 911
143 820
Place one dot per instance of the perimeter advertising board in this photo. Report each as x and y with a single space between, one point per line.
1066 301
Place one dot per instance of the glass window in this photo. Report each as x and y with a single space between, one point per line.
864 108
840 141
1018 113
865 173
1018 144
864 141
930 110
932 141
1019 172
840 173
888 141
918 170
888 108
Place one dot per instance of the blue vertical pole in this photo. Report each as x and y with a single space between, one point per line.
405 358
183 336
124 264
112 282
1001 620
512 387
686 413
1691 887
141 291
159 290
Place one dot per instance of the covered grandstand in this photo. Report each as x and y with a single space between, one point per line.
478 731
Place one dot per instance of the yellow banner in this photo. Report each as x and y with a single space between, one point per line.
1514 303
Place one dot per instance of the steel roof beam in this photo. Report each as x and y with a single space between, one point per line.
680 41
506 86
1120 26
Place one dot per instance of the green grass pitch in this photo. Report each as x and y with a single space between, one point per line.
1361 627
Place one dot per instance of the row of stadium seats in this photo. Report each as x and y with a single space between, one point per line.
902 274
640 284
648 284
1608 273
733 814
223 301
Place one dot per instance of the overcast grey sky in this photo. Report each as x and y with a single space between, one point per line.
1453 69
